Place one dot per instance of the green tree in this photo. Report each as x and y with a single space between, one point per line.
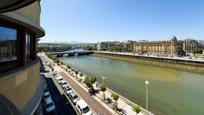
81 74
115 98
76 72
89 47
68 66
136 109
89 81
103 89
93 79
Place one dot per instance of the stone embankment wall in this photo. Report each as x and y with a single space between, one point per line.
184 66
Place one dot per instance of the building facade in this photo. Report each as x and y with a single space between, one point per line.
115 46
102 46
190 46
172 47
21 87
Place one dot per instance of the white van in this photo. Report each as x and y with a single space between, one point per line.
83 107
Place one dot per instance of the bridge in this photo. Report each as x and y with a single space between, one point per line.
71 53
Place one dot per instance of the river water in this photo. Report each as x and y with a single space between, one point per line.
171 92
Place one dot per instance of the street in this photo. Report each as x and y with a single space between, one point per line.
63 107
95 105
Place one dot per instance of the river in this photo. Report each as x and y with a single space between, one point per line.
171 92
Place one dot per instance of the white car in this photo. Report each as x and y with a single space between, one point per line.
74 98
59 78
49 105
68 90
63 83
54 73
83 107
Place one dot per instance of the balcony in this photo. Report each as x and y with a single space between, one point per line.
22 88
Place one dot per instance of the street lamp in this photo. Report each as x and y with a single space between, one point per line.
103 79
147 83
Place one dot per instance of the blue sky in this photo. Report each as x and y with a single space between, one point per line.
108 20
7 34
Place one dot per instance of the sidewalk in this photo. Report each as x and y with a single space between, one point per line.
126 108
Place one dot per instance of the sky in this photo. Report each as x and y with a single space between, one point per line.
7 34
109 20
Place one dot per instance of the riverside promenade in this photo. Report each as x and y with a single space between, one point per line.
95 102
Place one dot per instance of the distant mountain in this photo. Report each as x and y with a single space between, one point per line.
69 42
201 42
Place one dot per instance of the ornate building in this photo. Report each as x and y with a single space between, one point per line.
163 48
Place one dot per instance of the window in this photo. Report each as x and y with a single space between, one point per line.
28 46
17 46
8 38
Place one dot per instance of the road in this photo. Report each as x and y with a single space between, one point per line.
95 105
62 104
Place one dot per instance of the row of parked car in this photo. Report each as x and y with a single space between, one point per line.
80 104
48 101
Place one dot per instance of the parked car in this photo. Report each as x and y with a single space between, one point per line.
68 90
49 105
83 107
66 87
54 73
59 78
46 95
63 83
74 98
46 88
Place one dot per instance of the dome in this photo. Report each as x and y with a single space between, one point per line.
174 38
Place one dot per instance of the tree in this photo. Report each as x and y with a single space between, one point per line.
103 89
90 48
89 81
76 72
93 79
136 109
68 66
81 74
115 98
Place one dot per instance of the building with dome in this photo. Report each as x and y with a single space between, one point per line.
172 47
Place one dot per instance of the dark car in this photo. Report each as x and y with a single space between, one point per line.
91 91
